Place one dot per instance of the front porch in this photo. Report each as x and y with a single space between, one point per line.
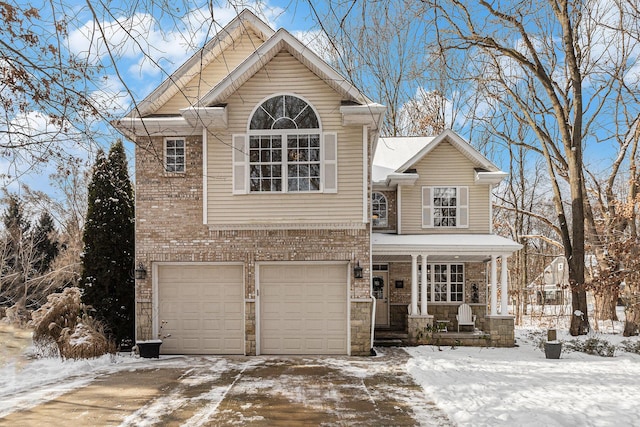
420 282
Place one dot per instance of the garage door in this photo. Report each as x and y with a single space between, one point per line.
303 309
201 306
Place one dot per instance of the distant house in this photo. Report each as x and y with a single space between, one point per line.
271 219
552 286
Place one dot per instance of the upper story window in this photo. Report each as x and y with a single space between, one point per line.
174 155
285 150
445 207
379 210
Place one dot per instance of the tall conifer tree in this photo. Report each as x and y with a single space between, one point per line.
45 242
13 271
109 243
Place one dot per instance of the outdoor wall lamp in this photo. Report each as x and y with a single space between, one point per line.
357 271
140 272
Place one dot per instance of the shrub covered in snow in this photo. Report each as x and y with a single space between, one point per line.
630 346
63 327
593 345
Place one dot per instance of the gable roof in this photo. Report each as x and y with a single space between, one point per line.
242 23
210 111
458 142
283 40
395 157
393 152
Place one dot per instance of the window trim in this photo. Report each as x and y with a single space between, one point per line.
327 154
462 206
386 210
165 162
431 283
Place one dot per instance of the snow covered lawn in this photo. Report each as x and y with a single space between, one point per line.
520 387
471 386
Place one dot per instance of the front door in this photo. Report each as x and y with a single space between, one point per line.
381 293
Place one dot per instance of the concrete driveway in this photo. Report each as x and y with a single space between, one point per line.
256 391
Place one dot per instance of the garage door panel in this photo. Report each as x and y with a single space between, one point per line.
203 307
296 304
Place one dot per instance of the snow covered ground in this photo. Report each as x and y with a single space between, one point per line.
473 386
520 387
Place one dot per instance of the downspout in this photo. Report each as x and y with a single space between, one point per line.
372 352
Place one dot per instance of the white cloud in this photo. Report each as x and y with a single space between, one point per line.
40 148
146 48
149 45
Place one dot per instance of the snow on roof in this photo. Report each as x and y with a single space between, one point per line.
380 173
443 243
393 152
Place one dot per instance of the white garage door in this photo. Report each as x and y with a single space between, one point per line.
201 306
303 309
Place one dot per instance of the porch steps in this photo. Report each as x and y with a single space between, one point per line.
468 339
390 338
476 338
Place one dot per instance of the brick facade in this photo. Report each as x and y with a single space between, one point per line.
169 228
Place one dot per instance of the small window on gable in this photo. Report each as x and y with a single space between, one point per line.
445 207
174 155
379 210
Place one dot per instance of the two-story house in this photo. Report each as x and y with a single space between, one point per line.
433 246
252 201
254 204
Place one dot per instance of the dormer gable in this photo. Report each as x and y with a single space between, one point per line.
398 158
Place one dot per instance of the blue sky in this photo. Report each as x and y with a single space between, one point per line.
153 46
158 41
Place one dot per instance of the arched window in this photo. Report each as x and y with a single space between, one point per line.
379 210
284 146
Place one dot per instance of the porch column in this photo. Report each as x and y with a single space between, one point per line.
414 285
423 287
494 286
504 291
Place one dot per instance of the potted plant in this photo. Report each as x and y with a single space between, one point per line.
553 347
151 348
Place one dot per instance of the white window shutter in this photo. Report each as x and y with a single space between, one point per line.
463 207
239 159
330 162
427 207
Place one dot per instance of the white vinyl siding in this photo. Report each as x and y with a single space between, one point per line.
444 166
214 72
342 198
